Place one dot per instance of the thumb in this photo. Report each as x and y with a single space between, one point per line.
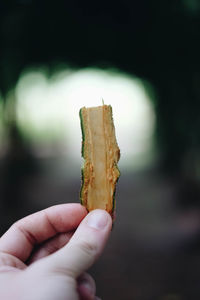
84 247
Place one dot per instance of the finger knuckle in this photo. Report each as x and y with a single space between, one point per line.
87 247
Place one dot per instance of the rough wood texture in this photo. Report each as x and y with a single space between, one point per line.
101 154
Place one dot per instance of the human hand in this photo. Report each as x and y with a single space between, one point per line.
42 257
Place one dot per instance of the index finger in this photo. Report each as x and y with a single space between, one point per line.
23 235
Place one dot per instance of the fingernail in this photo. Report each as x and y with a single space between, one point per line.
97 219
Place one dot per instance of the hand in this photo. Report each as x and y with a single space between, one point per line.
42 257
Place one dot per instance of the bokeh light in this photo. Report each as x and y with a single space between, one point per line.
48 111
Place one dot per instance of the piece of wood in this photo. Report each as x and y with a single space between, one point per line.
101 154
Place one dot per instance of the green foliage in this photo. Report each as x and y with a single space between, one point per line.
155 40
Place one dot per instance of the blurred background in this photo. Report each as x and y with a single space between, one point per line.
142 57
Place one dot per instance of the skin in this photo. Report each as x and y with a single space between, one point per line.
45 255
